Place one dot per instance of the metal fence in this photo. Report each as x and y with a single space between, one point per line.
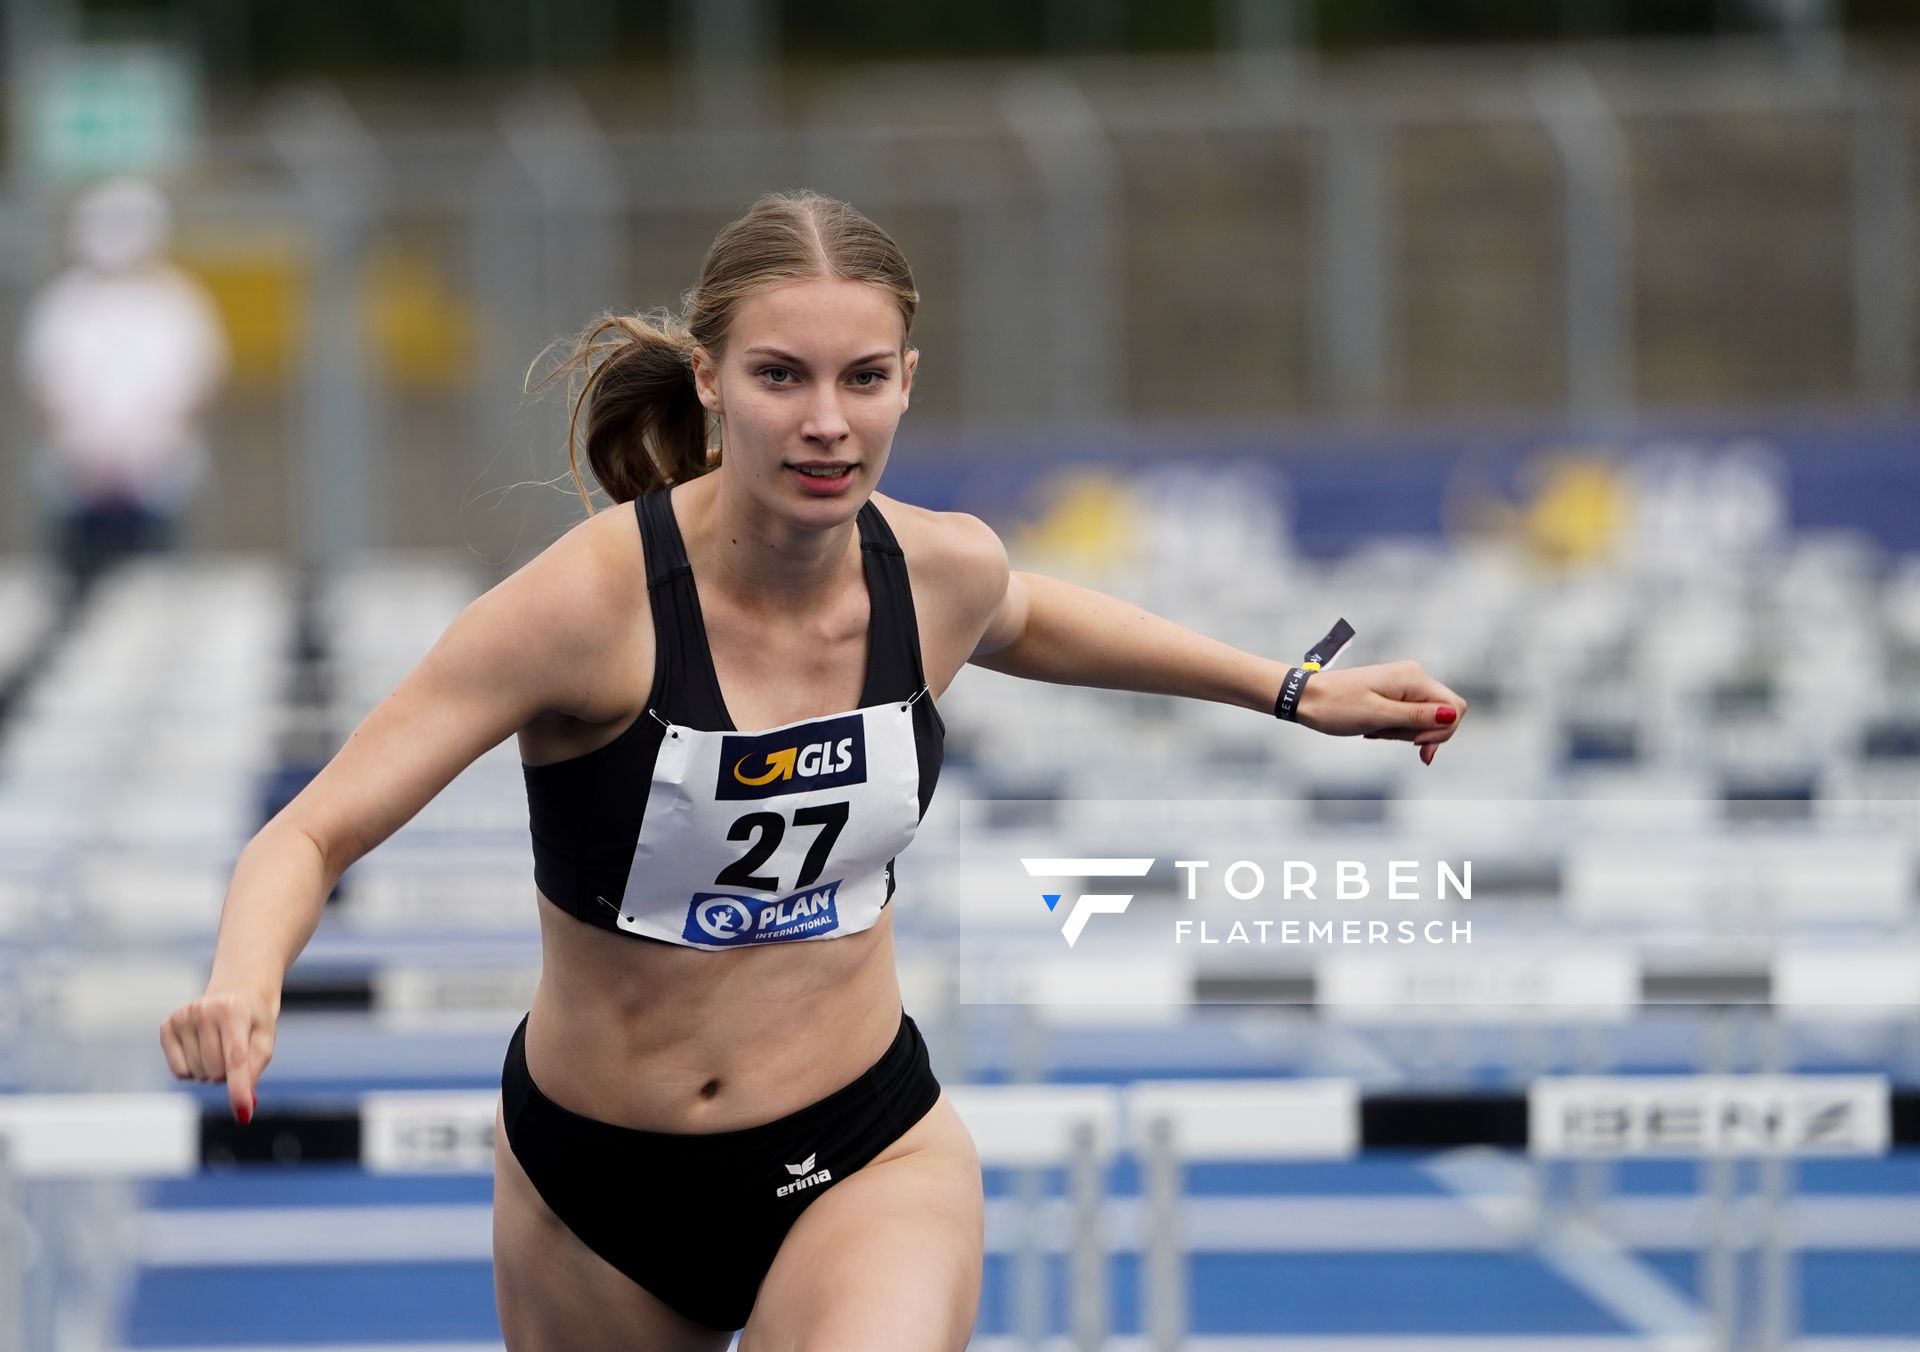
1588 232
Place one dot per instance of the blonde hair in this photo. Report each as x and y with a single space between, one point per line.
644 425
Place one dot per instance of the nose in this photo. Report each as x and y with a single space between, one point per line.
825 425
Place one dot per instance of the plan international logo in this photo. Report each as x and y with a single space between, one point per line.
1088 904
723 918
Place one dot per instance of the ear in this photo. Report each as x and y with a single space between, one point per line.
706 379
906 380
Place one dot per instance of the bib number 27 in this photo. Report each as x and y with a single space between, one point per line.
767 829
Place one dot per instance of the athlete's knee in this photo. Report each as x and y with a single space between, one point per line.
853 1333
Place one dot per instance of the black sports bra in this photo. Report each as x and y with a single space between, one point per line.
730 838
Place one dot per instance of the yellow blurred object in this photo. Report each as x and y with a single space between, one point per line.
1093 519
259 284
421 329
1578 510
419 332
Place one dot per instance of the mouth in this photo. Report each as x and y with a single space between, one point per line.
823 471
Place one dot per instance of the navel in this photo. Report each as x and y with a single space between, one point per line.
709 1089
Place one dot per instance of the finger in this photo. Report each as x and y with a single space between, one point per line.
1417 715
213 1056
259 1056
1428 752
238 1053
1414 686
189 1034
176 1055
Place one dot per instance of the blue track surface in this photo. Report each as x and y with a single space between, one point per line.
1318 1293
332 1303
1841 1293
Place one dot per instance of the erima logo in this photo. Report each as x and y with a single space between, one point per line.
1092 903
811 1179
820 755
721 918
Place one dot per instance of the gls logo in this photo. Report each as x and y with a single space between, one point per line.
1092 903
816 759
821 755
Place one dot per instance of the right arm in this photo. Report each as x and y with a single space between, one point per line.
540 641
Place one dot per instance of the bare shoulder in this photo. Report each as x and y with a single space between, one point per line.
584 577
544 643
580 608
944 541
954 555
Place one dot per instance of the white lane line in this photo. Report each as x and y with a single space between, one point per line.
267 1236
259 1236
247 1236
1316 1343
1364 1343
1327 1343
1592 1261
326 1347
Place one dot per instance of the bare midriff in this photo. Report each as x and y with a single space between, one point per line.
662 1037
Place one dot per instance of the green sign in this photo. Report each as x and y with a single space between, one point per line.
105 109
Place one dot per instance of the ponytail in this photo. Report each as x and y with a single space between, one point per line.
644 426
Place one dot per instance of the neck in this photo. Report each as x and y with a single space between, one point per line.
760 562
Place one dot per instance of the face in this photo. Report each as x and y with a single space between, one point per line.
120 225
812 375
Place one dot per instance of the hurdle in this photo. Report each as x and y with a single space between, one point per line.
1082 1129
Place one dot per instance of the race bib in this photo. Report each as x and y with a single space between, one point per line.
775 836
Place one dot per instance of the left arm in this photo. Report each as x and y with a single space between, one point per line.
1044 629
1049 630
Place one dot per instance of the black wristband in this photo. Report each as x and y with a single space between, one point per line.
1287 706
1321 654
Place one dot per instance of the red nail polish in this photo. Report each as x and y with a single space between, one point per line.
1443 714
246 1116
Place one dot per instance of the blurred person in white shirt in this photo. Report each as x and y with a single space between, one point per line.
121 355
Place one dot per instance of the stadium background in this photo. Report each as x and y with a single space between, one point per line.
1569 348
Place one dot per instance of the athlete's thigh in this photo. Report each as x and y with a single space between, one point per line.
556 1293
888 1258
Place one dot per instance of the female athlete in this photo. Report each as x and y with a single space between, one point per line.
716 1115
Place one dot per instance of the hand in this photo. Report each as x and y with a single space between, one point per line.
1395 701
224 1035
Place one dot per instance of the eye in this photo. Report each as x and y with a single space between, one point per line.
880 378
766 373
